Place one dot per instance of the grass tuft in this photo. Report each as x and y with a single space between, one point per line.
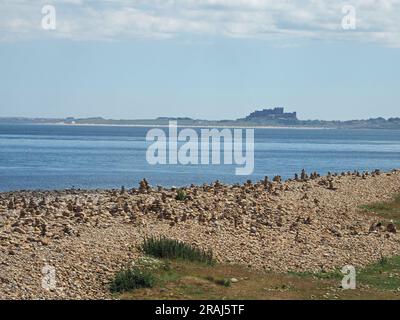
130 279
226 282
181 195
166 248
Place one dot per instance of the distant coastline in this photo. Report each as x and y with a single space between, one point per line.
266 118
189 126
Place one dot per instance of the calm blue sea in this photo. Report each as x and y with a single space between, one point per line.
58 157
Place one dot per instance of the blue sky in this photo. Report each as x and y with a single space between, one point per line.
213 59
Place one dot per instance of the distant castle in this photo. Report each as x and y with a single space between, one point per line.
272 114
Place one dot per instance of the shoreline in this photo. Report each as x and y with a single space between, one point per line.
255 126
215 125
182 126
201 126
164 187
314 224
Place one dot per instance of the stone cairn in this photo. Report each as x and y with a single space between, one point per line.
144 186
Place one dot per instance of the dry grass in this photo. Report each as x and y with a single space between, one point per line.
386 210
186 281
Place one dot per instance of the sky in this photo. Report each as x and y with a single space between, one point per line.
208 59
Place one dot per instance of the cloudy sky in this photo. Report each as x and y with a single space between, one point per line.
210 59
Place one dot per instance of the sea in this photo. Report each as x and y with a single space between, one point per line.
48 157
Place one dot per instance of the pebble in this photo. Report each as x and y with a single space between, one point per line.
84 234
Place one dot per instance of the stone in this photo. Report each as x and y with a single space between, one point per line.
263 225
375 227
331 185
44 241
19 230
391 227
144 186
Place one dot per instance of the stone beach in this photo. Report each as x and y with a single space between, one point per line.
310 223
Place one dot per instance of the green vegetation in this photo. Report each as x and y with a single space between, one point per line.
165 248
384 275
178 279
132 278
190 280
226 282
181 195
386 210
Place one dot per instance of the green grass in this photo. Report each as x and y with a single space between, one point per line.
166 248
387 210
130 279
191 280
181 195
384 275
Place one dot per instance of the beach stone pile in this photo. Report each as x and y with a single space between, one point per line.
309 223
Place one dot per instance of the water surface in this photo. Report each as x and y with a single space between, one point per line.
90 157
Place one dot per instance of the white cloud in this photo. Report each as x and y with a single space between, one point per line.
280 21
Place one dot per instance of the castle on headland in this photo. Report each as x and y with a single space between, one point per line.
272 114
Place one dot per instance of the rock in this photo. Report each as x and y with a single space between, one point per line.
144 186
11 204
277 179
43 202
335 231
307 220
304 197
303 176
19 230
43 229
45 241
375 227
234 280
127 209
67 229
331 186
242 224
391 227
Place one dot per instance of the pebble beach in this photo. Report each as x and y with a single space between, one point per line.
309 223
